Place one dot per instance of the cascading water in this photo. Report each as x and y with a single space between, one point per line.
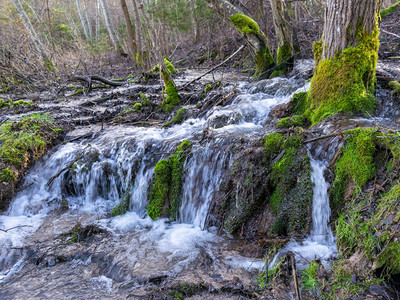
120 162
321 242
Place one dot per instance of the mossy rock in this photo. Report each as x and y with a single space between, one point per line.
166 188
291 197
123 207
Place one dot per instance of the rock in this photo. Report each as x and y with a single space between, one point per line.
282 110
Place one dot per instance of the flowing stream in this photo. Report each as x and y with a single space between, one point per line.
118 162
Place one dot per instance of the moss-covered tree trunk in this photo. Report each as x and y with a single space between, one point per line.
287 41
346 58
257 41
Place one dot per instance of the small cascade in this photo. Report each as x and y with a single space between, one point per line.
321 243
82 182
203 178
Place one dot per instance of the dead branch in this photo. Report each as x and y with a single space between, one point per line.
19 226
227 96
321 138
51 180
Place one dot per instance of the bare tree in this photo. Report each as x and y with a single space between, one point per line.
89 26
85 30
110 26
129 29
33 35
346 59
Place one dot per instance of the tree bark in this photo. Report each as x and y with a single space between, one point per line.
129 29
346 58
257 41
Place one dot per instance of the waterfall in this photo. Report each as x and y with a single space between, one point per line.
120 161
320 244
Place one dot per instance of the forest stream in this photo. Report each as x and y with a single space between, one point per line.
59 239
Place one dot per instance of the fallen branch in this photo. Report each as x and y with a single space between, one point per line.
51 180
390 33
227 96
89 80
87 135
321 138
6 230
335 158
213 69
294 273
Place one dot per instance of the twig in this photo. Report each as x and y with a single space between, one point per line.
227 96
321 138
335 158
6 230
78 138
390 33
213 69
51 180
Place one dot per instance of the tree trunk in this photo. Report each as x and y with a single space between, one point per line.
285 35
33 35
97 20
346 58
129 29
85 31
89 26
257 41
110 26
138 32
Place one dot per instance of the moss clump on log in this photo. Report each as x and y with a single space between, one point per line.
177 119
166 189
387 11
346 82
172 99
395 86
263 59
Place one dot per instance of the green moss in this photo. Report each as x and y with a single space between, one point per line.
166 189
77 92
145 100
375 237
292 189
284 56
172 99
177 119
159 189
20 103
123 206
170 67
245 24
395 86
387 11
345 83
4 103
273 143
207 88
7 175
356 163
300 103
25 138
264 62
137 107
295 121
